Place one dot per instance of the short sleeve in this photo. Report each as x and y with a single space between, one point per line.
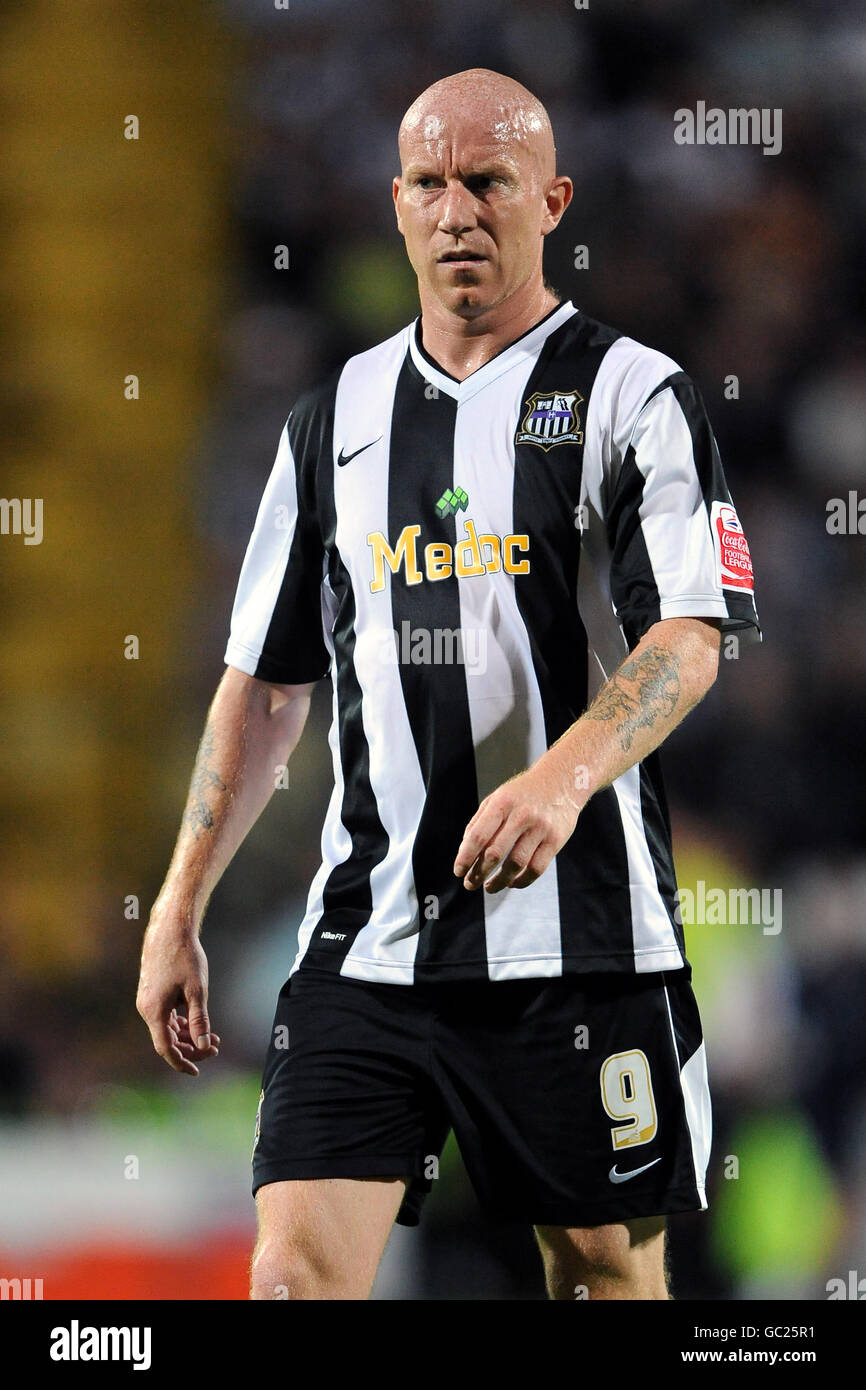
277 630
678 549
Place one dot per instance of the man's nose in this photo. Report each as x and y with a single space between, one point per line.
457 210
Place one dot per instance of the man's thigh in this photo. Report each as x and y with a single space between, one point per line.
623 1260
322 1238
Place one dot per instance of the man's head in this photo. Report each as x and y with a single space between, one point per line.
478 191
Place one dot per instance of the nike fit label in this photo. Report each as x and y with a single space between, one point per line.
624 1177
347 458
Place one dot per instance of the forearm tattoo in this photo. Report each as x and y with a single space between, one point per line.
651 695
199 813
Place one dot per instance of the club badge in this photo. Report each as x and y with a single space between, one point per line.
551 418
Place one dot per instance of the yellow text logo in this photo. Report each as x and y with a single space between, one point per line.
474 555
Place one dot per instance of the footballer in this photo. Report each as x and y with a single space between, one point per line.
505 536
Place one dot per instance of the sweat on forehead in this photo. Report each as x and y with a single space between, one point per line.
494 108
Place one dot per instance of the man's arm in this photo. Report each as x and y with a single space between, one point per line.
252 728
526 821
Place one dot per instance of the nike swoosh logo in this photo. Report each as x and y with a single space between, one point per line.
624 1177
343 459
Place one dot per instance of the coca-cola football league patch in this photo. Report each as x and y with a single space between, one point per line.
732 549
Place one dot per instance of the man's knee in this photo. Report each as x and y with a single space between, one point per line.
292 1267
624 1261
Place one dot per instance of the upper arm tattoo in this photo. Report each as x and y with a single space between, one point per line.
652 693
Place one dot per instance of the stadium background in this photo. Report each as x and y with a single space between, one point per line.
154 257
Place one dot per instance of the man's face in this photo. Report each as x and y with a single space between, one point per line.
471 206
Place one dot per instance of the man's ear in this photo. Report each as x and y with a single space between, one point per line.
395 193
558 197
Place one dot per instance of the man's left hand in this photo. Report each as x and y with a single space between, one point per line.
519 827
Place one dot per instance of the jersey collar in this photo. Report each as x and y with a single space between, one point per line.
523 349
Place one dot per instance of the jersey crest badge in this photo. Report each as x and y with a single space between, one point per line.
551 418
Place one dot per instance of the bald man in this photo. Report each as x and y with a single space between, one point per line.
506 535
478 258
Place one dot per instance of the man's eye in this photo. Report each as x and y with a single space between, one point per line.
426 181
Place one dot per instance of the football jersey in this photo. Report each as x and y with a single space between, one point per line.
470 561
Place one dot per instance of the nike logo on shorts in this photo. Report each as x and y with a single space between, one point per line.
624 1177
343 459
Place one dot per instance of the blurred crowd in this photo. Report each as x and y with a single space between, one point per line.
738 265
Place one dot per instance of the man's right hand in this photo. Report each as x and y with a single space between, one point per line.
172 996
251 729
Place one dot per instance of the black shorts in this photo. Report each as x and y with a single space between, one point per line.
575 1101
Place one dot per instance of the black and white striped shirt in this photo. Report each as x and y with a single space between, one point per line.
470 561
